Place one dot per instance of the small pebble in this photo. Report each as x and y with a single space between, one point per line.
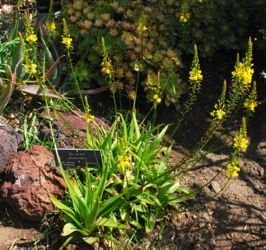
215 186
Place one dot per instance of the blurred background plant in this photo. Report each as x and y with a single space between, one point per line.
216 25
139 44
145 40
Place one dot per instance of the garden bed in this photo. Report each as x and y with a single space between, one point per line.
181 139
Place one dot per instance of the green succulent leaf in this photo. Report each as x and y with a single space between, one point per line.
107 222
69 229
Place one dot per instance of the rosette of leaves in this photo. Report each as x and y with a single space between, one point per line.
139 164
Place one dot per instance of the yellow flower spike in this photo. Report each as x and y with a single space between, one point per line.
243 74
124 161
195 75
232 169
250 105
243 71
107 67
31 38
50 26
30 68
67 41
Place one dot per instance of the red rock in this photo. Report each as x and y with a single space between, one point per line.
30 179
9 141
70 128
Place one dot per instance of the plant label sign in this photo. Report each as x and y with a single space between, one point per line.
80 157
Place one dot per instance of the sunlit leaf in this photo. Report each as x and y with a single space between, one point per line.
37 90
90 240
107 222
6 91
68 229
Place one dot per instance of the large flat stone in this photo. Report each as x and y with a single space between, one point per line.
30 179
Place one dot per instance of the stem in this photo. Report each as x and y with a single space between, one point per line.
147 115
137 86
187 107
52 133
75 79
114 100
154 117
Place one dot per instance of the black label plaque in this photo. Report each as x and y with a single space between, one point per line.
80 157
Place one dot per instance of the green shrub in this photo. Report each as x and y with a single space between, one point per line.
216 24
139 42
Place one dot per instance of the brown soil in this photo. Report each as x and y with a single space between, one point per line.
221 217
12 237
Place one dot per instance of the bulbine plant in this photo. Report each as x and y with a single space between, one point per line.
139 161
129 191
20 67
86 211
7 72
241 93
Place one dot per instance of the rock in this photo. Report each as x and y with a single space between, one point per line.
11 236
215 186
70 128
206 216
261 152
30 179
9 142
